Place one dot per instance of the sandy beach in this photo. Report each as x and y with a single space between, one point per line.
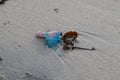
25 57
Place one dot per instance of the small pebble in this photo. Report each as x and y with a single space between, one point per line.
28 74
1 59
56 10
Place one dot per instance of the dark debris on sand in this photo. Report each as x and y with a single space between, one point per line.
3 1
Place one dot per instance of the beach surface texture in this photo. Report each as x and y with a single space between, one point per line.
25 57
